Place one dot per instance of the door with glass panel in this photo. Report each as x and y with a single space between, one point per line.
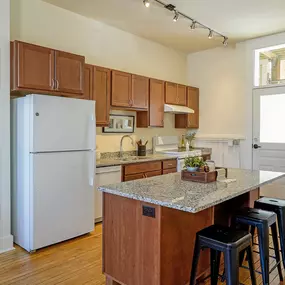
269 129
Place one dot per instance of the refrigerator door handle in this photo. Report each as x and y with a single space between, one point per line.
91 168
92 132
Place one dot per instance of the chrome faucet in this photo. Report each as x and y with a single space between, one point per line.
121 144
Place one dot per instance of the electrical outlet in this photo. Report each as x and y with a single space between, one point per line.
148 211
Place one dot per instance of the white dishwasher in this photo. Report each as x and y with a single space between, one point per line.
104 176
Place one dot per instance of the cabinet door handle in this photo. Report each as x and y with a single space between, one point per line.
145 176
52 84
57 85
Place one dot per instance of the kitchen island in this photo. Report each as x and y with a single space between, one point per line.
149 225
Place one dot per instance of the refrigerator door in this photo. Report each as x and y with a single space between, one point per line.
61 124
61 197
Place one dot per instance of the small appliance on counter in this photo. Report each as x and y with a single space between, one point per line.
141 148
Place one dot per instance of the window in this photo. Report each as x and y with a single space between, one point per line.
270 66
272 118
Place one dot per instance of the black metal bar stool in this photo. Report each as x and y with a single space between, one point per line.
229 241
261 220
278 207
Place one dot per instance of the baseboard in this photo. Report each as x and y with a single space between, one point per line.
6 243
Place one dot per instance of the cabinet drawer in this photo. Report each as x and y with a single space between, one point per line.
142 175
169 170
133 177
142 167
152 173
169 164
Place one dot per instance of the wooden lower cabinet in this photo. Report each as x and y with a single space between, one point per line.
142 175
169 170
143 250
140 250
148 169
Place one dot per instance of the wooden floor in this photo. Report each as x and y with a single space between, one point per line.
77 261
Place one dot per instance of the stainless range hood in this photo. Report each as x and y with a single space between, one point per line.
176 109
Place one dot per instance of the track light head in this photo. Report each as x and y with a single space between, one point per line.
210 36
146 3
225 42
193 25
176 16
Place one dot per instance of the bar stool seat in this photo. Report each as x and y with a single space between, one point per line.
278 207
262 220
229 241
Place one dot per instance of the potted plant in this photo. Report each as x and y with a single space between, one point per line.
194 163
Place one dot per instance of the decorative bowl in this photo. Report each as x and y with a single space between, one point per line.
192 169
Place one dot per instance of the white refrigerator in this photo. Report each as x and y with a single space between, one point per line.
53 169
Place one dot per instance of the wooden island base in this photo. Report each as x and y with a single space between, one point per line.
139 249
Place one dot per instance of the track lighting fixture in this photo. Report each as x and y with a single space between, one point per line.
195 24
210 36
176 16
146 3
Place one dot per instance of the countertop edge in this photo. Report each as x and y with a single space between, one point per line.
114 162
182 208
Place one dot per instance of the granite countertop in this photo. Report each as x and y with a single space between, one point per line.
113 161
117 161
170 191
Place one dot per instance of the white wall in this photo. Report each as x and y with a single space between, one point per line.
6 240
225 77
44 24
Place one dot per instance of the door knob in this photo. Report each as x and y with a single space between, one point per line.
256 146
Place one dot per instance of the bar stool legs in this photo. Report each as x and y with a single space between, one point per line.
195 261
281 227
250 263
232 267
276 249
263 241
215 265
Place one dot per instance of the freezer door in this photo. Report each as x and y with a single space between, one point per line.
62 197
61 124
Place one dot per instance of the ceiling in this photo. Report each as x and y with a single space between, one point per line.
237 19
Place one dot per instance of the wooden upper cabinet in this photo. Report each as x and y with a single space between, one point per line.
193 103
101 94
121 89
175 94
33 67
156 103
69 74
171 93
140 92
189 120
46 71
88 81
181 95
